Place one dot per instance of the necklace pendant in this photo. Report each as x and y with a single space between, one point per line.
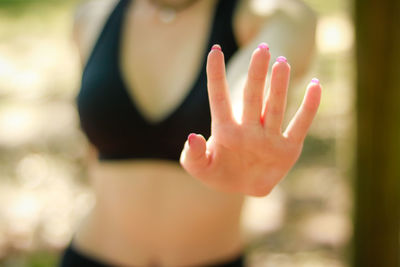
167 15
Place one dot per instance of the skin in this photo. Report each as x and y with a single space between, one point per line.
161 213
252 156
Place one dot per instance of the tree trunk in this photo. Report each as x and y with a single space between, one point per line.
377 185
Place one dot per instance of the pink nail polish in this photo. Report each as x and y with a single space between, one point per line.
216 47
281 59
263 46
315 80
191 138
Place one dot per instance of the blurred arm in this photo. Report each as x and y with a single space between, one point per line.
288 26
89 19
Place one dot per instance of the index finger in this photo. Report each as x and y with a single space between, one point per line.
220 105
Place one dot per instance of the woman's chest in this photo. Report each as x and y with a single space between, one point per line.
161 63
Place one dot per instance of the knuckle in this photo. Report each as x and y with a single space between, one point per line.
296 140
252 96
274 109
278 92
219 96
258 77
216 76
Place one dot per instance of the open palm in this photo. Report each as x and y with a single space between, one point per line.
253 155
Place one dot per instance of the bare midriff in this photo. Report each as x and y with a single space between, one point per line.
152 213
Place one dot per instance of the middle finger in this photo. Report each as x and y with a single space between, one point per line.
254 89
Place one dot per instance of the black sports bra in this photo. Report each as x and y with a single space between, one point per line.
110 118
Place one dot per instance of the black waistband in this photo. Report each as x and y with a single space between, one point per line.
74 258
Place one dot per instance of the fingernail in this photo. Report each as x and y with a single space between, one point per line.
191 138
216 47
263 46
315 80
281 59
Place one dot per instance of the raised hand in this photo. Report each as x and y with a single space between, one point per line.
253 155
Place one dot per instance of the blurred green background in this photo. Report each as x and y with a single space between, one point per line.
306 221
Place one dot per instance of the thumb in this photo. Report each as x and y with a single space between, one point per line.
194 157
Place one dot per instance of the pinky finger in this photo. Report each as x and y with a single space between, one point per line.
301 122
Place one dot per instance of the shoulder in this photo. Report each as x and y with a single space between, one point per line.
288 26
89 19
253 16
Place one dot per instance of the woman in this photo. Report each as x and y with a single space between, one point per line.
144 98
